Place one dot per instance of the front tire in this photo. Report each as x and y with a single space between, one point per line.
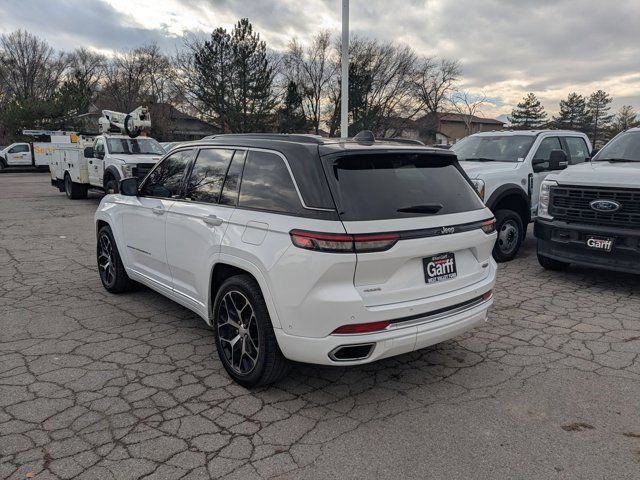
510 234
111 186
112 272
244 336
552 264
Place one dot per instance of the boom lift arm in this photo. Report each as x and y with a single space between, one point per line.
129 123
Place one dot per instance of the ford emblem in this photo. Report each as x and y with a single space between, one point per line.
608 206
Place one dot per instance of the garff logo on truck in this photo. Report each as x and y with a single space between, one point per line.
608 206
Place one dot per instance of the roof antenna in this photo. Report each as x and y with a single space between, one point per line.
365 136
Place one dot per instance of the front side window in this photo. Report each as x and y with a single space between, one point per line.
547 145
134 146
497 148
207 175
19 149
99 148
623 148
578 151
165 179
267 185
398 185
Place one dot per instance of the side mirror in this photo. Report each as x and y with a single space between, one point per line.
539 164
129 187
558 160
88 152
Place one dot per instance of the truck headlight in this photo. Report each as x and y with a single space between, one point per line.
544 199
127 170
479 186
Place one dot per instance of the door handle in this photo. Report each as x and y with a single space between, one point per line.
158 210
212 220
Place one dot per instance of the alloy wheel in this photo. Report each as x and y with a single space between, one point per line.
105 260
238 332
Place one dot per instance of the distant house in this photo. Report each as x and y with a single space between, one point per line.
168 124
445 128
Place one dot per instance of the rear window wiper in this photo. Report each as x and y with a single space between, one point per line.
431 208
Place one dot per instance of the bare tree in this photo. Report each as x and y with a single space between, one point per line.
435 82
468 106
126 81
29 67
311 69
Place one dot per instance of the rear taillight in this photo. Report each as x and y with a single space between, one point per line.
489 226
343 243
361 328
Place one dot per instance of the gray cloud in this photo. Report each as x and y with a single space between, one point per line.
506 48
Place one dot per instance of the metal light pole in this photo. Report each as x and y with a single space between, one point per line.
344 108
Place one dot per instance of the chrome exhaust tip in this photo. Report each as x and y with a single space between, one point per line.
348 353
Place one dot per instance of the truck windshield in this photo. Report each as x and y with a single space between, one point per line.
623 148
496 148
134 146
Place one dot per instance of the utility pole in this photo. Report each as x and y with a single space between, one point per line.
344 106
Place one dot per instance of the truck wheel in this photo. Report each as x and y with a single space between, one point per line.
112 272
111 186
510 233
72 189
2 164
552 264
244 336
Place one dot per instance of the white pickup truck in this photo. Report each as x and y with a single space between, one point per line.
23 154
103 163
507 169
590 214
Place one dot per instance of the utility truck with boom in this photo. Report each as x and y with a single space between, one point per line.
100 162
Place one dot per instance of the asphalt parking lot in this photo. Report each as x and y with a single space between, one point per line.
99 386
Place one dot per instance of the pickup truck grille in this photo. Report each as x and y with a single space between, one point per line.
141 169
571 204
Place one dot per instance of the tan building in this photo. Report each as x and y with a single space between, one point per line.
445 129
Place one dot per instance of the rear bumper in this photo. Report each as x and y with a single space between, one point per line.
566 242
402 339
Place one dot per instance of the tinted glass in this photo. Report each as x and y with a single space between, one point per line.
135 146
500 148
267 184
625 146
165 180
99 148
399 185
578 150
19 149
207 175
232 182
546 146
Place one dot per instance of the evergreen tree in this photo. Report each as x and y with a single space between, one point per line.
234 79
572 114
291 117
598 108
626 118
529 114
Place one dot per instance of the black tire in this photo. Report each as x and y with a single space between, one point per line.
269 364
2 164
552 264
112 272
510 234
111 186
72 189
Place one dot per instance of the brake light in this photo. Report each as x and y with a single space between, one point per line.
343 243
361 328
489 226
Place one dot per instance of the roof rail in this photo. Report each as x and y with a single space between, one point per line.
293 137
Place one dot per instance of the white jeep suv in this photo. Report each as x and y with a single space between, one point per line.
297 248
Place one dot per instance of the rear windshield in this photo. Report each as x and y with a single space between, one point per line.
398 185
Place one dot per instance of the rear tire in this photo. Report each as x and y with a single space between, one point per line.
552 264
244 336
112 272
72 189
510 234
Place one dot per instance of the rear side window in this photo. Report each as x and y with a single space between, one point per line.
165 180
578 151
267 185
207 175
399 185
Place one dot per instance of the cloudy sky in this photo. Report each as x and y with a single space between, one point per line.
506 47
